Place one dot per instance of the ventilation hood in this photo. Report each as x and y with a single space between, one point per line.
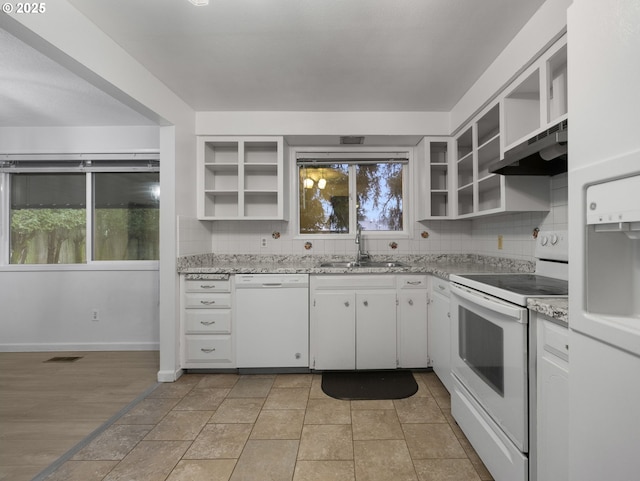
543 154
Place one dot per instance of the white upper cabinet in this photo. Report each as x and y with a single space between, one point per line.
537 99
434 173
241 178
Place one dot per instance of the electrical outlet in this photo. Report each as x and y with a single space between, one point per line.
500 242
263 242
95 315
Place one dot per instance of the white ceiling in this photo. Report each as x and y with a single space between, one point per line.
284 55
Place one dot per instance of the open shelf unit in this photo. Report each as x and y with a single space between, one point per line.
434 158
241 178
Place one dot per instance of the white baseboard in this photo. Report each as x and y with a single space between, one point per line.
89 346
169 376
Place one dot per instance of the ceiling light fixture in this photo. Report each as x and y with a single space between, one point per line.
200 3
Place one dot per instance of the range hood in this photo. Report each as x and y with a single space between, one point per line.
542 154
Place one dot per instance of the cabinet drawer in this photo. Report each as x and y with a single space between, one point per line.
555 339
207 321
206 285
207 301
412 282
211 349
440 285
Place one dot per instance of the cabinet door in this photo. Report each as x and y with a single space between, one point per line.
439 336
412 328
376 329
333 327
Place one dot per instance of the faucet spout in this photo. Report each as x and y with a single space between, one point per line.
360 254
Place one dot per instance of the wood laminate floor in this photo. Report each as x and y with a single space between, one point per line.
47 408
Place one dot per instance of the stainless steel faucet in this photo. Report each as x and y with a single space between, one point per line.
361 254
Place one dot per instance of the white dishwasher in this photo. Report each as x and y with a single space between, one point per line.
272 320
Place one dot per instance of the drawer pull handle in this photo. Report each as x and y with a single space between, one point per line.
207 323
346 304
207 303
411 302
414 283
205 286
207 349
366 303
441 287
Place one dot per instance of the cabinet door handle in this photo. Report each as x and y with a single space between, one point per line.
411 302
366 303
207 303
205 286
448 314
207 323
346 304
441 287
207 349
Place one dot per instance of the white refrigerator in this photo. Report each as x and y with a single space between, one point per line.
604 234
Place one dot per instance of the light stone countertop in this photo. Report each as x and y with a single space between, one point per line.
203 265
554 307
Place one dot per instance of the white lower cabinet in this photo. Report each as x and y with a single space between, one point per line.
206 321
413 350
358 322
440 331
552 399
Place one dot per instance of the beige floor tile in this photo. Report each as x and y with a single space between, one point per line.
376 424
252 386
240 410
203 470
82 471
149 461
287 398
383 461
326 442
316 388
444 402
266 460
278 424
217 441
427 441
473 456
445 470
218 381
179 426
419 410
293 380
372 404
148 411
114 443
203 399
324 471
177 389
328 411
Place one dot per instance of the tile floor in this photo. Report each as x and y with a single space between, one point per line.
221 427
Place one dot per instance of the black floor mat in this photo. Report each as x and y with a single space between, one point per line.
356 385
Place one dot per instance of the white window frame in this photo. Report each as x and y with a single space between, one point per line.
88 169
353 154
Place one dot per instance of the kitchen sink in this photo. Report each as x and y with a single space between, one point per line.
345 264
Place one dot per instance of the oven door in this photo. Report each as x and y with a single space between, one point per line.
489 358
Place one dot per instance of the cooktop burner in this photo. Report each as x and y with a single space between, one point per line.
530 285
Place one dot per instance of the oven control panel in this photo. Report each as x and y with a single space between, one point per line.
552 245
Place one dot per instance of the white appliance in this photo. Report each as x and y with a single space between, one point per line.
272 320
604 308
490 360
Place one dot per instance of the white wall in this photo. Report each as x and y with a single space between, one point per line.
50 310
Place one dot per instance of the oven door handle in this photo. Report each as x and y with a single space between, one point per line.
496 305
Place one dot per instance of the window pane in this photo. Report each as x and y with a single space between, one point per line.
324 199
48 218
126 216
379 191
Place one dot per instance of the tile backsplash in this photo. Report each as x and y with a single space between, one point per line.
477 236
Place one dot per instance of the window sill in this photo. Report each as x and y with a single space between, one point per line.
92 266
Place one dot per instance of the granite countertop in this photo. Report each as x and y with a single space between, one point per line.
442 266
554 307
438 265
